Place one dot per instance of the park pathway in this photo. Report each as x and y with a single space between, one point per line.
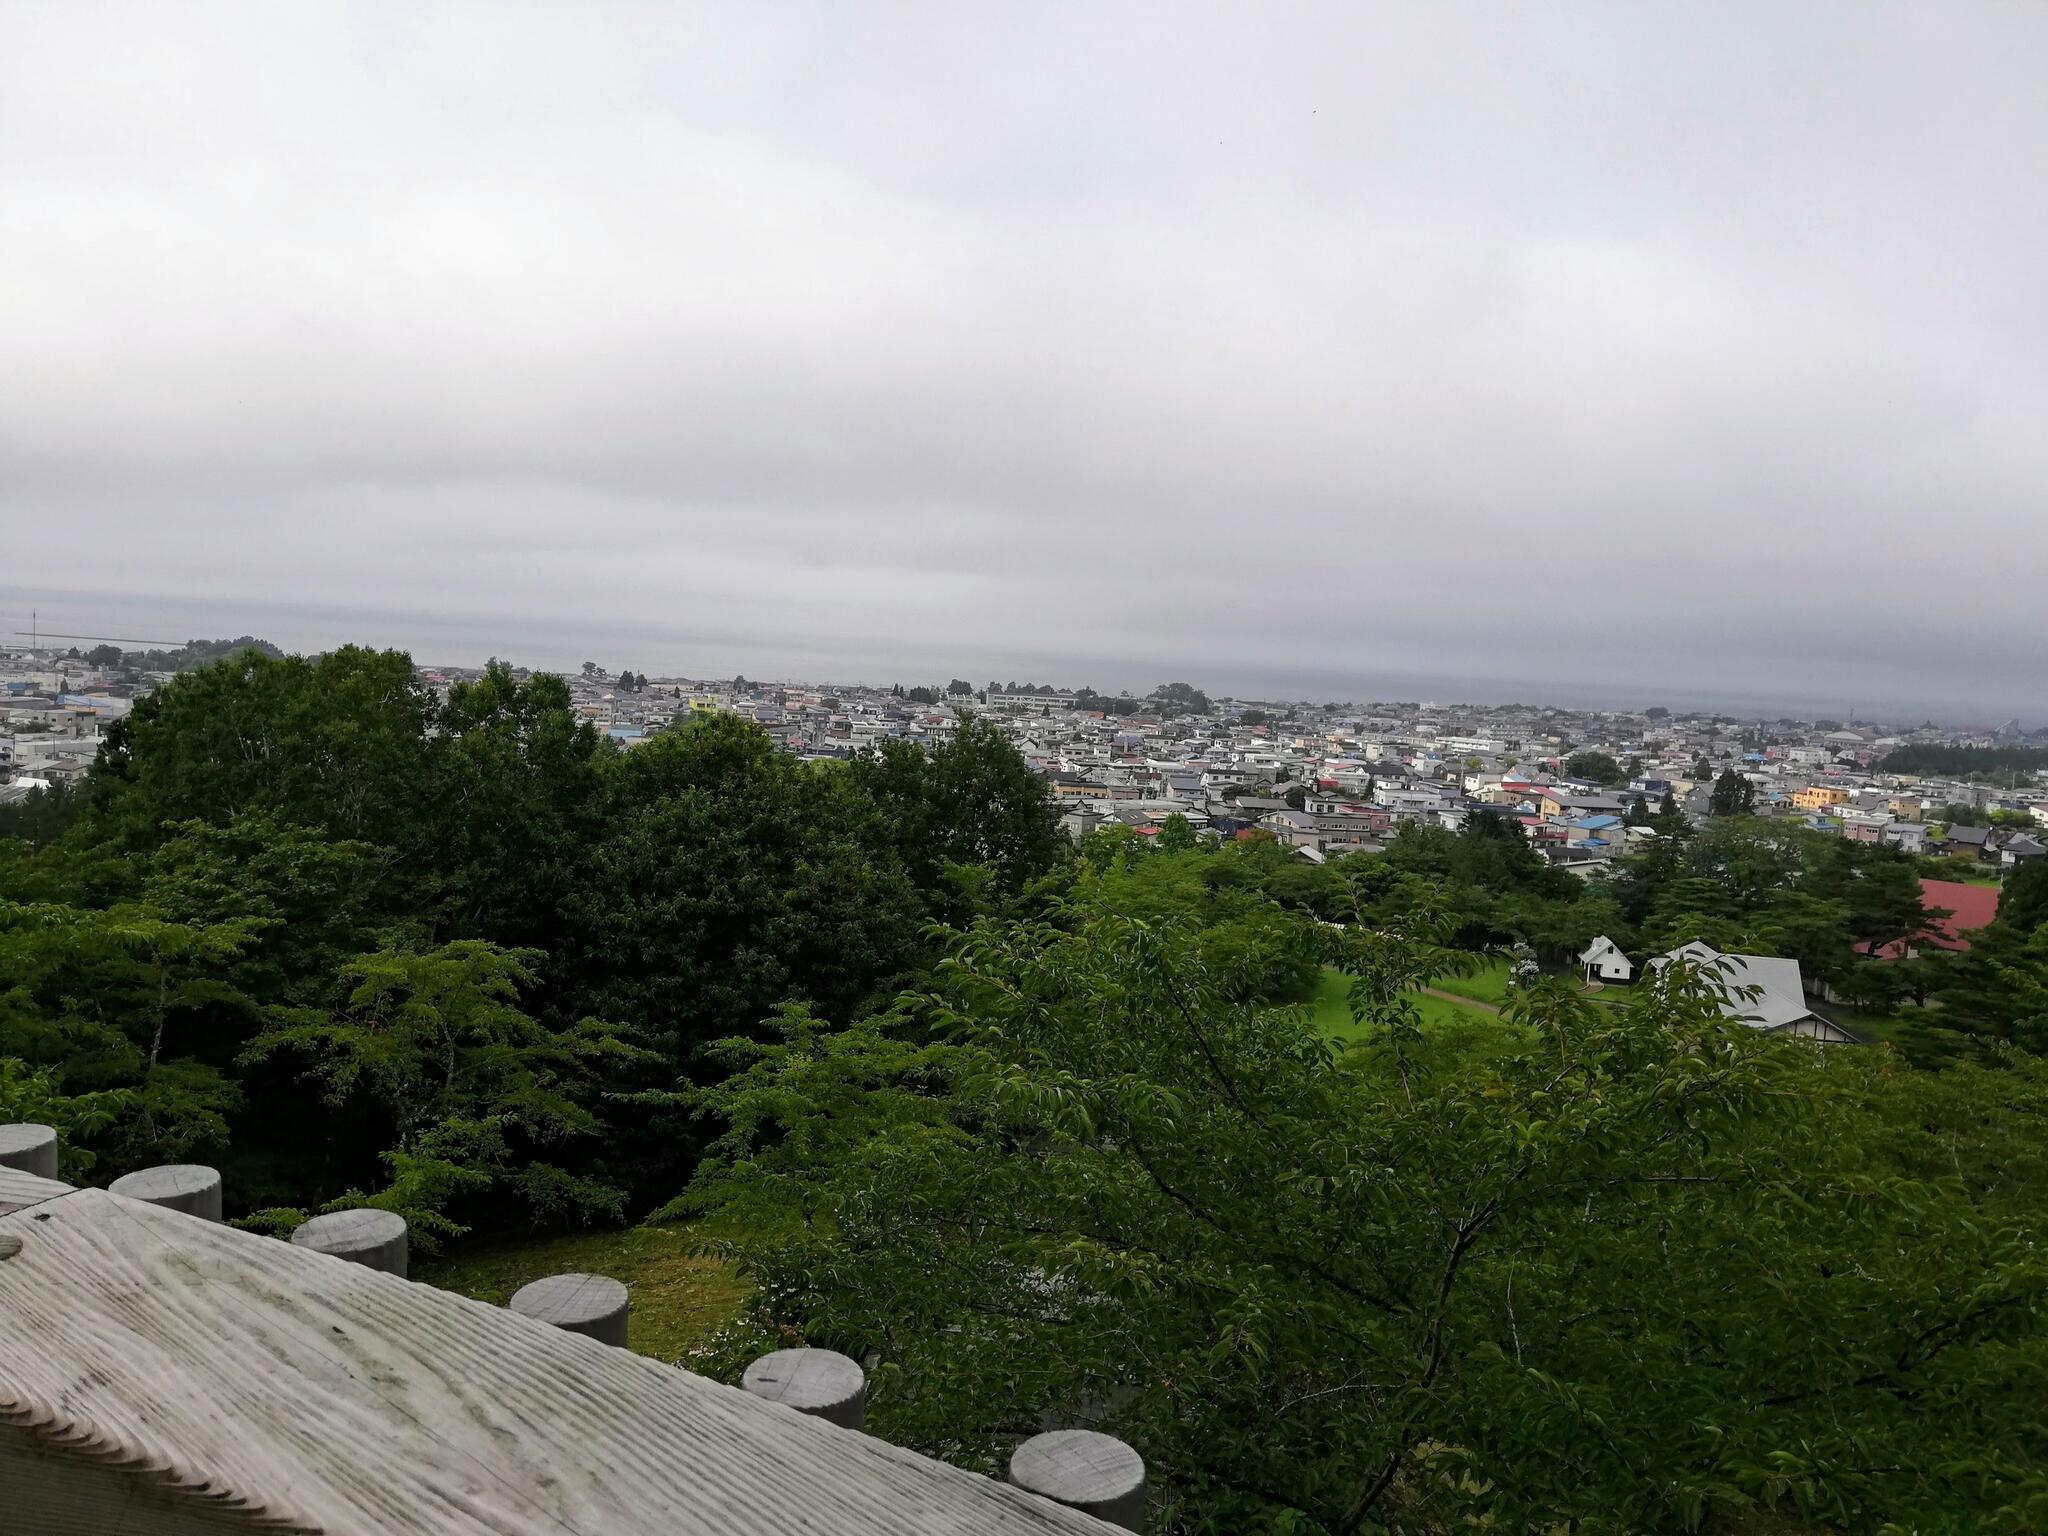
1469 1002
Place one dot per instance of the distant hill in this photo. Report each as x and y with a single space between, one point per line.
196 653
1962 761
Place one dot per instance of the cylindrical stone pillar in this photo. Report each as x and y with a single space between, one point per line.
1089 1471
592 1304
29 1148
820 1382
186 1187
375 1239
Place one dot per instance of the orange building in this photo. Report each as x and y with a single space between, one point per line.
1818 797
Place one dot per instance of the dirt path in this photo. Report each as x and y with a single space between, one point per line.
1469 1002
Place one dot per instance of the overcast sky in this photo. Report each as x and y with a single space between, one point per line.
1585 353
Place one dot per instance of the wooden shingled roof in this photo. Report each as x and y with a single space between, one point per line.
163 1374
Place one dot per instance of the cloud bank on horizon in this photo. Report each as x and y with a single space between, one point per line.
1657 347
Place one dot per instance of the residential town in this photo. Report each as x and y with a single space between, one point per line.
1585 786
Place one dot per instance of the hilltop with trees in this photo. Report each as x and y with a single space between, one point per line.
1965 762
185 658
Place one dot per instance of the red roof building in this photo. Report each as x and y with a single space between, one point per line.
1968 906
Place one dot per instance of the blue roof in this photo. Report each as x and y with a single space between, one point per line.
1594 823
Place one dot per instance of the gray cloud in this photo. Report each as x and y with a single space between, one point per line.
1549 351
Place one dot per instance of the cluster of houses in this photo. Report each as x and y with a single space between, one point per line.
1336 779
54 710
1322 779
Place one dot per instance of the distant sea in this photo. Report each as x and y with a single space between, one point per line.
673 649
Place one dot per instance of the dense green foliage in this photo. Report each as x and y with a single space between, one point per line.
1089 699
1733 794
1618 1267
1977 816
360 943
1961 762
1634 1272
1598 767
1180 699
2023 900
968 804
197 653
40 817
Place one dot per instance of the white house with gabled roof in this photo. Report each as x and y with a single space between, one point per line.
1602 960
1766 992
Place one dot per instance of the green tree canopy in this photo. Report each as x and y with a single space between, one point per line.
1598 767
1081 1183
968 800
1734 794
474 1089
339 742
1177 835
2023 900
518 781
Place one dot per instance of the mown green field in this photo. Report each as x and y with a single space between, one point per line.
1489 985
679 1300
1872 1026
1456 1028
1982 874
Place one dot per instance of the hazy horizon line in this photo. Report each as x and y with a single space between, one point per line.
553 646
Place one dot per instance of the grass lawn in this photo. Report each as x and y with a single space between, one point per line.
1459 1030
1874 1026
1983 874
678 1301
1487 986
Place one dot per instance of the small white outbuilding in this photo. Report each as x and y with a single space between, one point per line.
1603 961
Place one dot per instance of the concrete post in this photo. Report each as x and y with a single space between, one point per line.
372 1238
29 1148
820 1382
589 1304
1092 1472
186 1187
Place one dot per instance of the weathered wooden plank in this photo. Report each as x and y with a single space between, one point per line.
231 1372
19 1190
